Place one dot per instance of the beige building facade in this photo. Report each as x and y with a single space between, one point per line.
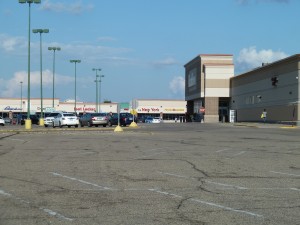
272 87
207 86
168 110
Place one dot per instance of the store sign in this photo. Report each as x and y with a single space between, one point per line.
86 109
148 110
174 110
8 108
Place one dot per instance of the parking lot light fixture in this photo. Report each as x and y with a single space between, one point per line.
28 121
53 49
75 61
41 31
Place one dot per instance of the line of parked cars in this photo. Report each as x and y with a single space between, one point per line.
60 119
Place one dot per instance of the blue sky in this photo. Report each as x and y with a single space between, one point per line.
140 45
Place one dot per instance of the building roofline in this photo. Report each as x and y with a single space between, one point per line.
284 60
201 55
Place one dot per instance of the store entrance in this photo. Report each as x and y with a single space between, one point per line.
224 110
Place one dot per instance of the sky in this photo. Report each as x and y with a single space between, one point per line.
141 46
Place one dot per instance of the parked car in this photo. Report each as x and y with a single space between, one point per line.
93 119
2 122
149 119
65 119
48 121
156 120
34 119
125 119
7 120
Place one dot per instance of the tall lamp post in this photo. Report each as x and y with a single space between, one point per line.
28 121
40 31
101 76
21 108
75 61
53 49
97 81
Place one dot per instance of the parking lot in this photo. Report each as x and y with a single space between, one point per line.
180 173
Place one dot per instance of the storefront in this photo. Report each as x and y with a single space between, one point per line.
168 110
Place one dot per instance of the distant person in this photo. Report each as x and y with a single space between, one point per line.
264 115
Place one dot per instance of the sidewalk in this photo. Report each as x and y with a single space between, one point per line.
265 125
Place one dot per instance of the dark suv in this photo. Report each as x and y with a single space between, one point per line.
34 119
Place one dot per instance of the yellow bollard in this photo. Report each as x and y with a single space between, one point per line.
41 122
118 129
133 124
28 124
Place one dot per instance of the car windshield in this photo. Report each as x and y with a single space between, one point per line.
99 114
52 114
69 114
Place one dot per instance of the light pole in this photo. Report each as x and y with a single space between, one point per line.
75 61
97 81
53 49
100 90
28 121
21 108
40 31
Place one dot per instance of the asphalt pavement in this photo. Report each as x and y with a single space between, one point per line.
184 173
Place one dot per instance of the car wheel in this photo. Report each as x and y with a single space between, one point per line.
60 125
45 125
69 126
96 125
76 126
104 125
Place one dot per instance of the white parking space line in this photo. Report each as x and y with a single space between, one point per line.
290 174
222 150
81 181
176 175
240 153
48 211
207 203
228 185
14 139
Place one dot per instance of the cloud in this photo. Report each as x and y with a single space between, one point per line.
245 2
250 58
12 87
9 44
177 85
73 8
169 61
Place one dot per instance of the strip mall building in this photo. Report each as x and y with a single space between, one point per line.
166 109
212 87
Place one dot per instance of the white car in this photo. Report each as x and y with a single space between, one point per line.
156 120
65 119
48 121
2 122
